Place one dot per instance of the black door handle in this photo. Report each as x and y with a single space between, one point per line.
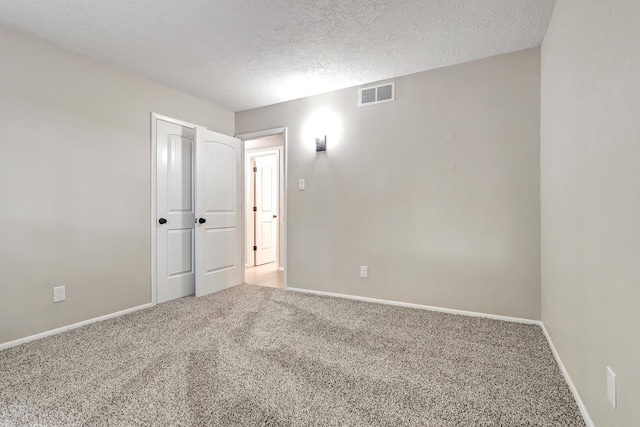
202 220
275 216
162 221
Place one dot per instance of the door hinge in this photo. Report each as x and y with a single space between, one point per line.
255 209
255 248
255 169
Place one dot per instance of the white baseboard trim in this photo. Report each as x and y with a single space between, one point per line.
567 378
24 340
419 306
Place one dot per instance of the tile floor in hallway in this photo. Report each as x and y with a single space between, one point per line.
264 275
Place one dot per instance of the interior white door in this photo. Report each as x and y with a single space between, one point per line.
266 174
175 276
218 233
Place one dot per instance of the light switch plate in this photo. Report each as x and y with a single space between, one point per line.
364 271
301 184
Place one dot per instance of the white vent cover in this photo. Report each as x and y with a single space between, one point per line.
377 94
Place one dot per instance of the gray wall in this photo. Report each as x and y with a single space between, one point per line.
438 192
75 183
590 197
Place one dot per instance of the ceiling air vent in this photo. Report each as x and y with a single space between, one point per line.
377 94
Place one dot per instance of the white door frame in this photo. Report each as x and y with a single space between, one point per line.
284 215
154 214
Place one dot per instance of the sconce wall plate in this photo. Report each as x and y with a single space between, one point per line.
321 144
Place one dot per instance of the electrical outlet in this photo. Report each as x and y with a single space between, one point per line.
611 387
59 294
364 271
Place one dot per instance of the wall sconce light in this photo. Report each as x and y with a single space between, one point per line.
321 144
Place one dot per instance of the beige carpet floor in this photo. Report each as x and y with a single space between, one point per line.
256 356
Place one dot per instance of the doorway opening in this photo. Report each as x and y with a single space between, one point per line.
264 195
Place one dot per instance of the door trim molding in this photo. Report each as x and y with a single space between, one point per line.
154 229
262 134
285 215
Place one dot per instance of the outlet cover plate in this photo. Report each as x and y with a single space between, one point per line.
59 294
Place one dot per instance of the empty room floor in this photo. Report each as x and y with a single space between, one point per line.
252 355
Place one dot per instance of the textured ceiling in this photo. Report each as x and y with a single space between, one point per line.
242 54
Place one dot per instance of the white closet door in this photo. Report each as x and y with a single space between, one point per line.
175 211
218 231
